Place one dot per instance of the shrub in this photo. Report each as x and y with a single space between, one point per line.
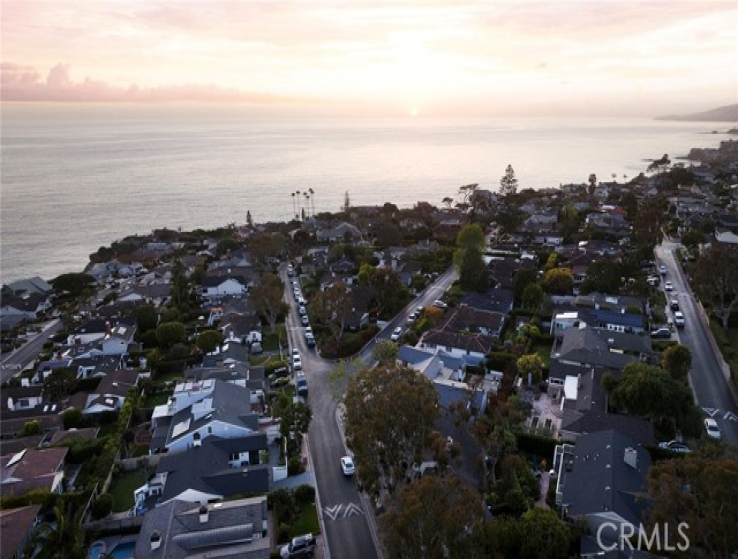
304 495
498 360
542 447
102 506
283 533
294 466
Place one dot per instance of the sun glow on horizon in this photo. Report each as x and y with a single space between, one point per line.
414 112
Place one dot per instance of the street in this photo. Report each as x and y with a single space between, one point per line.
19 359
348 525
707 378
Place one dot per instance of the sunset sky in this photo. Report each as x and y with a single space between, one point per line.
426 58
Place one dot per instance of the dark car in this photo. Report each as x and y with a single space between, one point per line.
662 332
301 384
674 304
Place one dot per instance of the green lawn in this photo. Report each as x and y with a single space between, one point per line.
122 489
306 522
544 352
156 399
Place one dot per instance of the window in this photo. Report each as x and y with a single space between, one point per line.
210 429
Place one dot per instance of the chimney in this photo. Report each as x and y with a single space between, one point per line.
204 514
155 541
631 457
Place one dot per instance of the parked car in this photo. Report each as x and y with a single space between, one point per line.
347 465
674 304
678 319
310 340
713 431
304 320
653 281
411 318
668 286
297 362
301 546
662 332
302 310
290 271
662 270
675 446
440 304
301 384
396 334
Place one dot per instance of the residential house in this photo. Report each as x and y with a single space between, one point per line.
111 392
601 480
447 373
46 416
503 269
498 300
17 527
586 347
180 530
605 319
473 347
582 405
226 413
466 319
214 468
725 237
246 328
15 398
28 305
31 470
215 287
98 365
97 330
340 233
82 434
232 351
30 285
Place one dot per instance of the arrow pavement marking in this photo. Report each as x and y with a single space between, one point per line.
353 509
731 416
711 411
333 512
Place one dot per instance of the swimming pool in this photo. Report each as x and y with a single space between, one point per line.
122 550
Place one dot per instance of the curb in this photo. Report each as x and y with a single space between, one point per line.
326 549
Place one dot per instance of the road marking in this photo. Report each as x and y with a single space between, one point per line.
711 411
731 416
353 509
333 512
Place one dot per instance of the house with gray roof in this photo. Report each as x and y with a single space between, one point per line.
112 391
498 300
339 234
603 479
28 305
179 530
225 413
214 468
17 527
30 285
582 346
33 469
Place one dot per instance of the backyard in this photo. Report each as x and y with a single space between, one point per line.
122 489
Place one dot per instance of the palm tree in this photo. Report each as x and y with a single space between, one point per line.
312 197
297 215
307 202
63 539
294 211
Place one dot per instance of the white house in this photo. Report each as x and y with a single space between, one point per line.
220 287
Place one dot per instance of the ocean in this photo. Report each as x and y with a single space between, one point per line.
74 178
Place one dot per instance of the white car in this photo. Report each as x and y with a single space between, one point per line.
678 318
297 362
439 304
411 318
713 431
347 465
396 333
662 270
668 286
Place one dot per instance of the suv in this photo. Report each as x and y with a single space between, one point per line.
301 546
301 384
662 332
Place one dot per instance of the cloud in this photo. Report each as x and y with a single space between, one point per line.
25 84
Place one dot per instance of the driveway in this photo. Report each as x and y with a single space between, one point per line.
707 378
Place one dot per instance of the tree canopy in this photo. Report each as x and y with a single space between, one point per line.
73 284
558 281
508 182
390 412
209 340
268 298
677 361
716 280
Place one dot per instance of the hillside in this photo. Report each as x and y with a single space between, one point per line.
728 113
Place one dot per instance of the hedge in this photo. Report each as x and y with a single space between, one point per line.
499 360
543 447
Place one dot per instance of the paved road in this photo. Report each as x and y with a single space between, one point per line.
707 378
19 359
348 531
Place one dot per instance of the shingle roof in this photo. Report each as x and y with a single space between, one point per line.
601 480
497 300
14 527
206 468
228 530
467 342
